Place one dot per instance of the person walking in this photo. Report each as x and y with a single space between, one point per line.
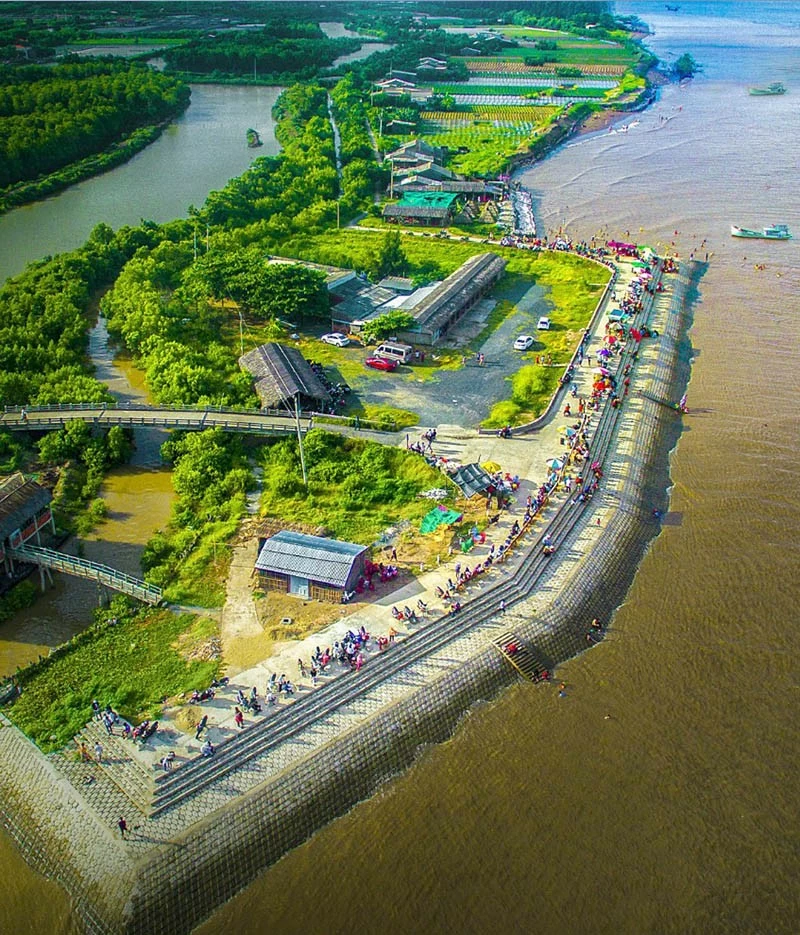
201 726
239 718
123 827
98 752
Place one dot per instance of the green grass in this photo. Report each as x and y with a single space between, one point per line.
577 52
532 387
490 147
203 573
131 666
356 488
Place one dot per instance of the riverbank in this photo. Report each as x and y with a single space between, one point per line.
174 889
28 192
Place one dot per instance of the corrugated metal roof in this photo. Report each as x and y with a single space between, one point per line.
294 553
472 278
20 499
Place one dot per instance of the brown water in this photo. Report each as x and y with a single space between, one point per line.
677 813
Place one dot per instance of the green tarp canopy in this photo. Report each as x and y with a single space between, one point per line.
438 516
427 199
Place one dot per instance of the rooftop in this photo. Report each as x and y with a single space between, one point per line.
282 373
295 553
20 499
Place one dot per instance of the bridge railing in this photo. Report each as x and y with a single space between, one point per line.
75 565
256 416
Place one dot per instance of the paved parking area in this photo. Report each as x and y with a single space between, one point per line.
464 396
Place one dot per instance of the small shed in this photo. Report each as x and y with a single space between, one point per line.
281 374
310 566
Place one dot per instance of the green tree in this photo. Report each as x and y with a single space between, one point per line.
390 258
384 326
685 67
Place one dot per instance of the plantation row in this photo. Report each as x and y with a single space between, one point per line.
517 67
509 81
499 91
512 115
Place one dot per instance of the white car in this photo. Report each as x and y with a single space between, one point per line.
523 342
543 324
340 340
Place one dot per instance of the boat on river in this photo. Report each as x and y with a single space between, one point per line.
773 232
775 88
253 139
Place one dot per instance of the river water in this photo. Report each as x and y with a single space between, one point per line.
659 796
196 154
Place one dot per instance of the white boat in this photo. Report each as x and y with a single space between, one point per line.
773 232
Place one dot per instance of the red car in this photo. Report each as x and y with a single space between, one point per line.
381 363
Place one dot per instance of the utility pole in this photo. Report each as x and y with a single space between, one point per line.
195 242
206 238
300 437
337 214
241 334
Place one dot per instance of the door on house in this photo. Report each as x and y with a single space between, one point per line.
298 586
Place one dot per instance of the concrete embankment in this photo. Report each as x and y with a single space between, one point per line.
183 864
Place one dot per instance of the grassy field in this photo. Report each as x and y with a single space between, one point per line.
146 656
356 488
488 147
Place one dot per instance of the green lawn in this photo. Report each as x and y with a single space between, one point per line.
130 666
356 488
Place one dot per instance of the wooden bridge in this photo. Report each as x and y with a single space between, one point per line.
244 421
81 568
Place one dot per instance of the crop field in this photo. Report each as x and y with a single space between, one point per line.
487 145
499 90
502 115
576 52
506 67
537 80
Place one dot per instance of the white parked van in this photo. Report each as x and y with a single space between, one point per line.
393 350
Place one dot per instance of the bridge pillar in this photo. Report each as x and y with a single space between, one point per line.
44 577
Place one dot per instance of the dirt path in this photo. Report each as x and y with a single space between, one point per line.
239 616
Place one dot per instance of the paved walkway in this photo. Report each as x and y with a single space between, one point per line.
525 456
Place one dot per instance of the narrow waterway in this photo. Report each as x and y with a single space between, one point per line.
199 152
138 498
